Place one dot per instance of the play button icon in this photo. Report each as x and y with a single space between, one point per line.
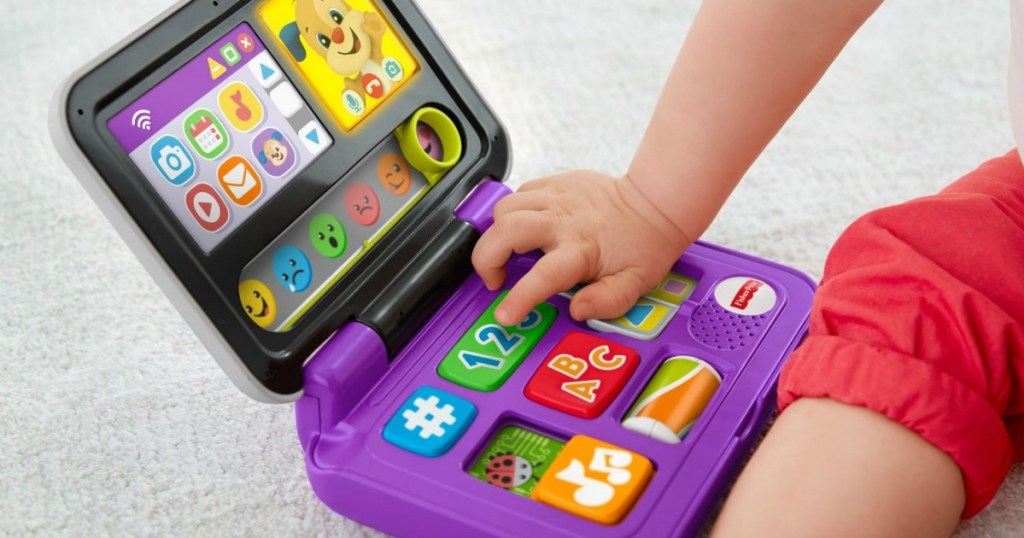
265 69
207 207
314 138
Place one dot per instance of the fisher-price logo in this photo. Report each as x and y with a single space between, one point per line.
745 296
747 290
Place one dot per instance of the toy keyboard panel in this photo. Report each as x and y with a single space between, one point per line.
568 428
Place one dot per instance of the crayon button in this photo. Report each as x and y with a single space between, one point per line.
673 399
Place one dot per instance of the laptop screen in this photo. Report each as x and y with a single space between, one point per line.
221 135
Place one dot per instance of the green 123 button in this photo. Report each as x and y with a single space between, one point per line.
488 353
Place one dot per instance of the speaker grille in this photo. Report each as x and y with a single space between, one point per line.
718 328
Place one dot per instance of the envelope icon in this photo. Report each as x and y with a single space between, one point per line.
239 180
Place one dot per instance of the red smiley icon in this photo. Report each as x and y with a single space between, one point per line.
362 204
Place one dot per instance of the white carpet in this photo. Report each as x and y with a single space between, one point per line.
115 421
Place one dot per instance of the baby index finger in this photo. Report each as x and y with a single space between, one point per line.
518 232
555 272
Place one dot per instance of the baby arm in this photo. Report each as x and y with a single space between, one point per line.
742 71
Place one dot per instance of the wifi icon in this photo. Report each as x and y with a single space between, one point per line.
142 119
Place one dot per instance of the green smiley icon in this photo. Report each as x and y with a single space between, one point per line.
327 235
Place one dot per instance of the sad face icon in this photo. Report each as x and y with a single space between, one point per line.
292 269
362 204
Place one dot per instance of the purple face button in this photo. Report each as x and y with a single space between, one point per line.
429 141
274 152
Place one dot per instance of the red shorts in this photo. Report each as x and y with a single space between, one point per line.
920 317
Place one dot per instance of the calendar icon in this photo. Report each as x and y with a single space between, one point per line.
206 134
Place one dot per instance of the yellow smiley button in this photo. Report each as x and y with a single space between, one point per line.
258 302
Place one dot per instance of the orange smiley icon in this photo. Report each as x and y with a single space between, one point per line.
394 174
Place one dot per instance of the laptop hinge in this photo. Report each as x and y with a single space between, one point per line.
338 376
478 207
412 296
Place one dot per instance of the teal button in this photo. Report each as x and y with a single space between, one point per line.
430 422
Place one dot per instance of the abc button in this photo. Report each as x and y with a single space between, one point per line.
207 207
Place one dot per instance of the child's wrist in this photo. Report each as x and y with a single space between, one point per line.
672 232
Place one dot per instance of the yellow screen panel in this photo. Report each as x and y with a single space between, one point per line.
347 51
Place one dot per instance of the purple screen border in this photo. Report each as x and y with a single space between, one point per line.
180 90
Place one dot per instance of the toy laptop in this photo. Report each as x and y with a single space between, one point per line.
306 180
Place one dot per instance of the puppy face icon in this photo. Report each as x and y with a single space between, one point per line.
346 38
274 151
346 50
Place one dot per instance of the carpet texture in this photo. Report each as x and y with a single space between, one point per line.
115 421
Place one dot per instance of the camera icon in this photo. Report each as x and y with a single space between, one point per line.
172 160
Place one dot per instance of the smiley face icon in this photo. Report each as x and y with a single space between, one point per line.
292 269
258 302
394 174
362 204
327 235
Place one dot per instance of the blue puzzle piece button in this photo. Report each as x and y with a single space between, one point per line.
638 314
430 422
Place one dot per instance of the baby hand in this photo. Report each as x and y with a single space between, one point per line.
592 228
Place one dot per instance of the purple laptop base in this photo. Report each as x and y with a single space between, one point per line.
352 390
